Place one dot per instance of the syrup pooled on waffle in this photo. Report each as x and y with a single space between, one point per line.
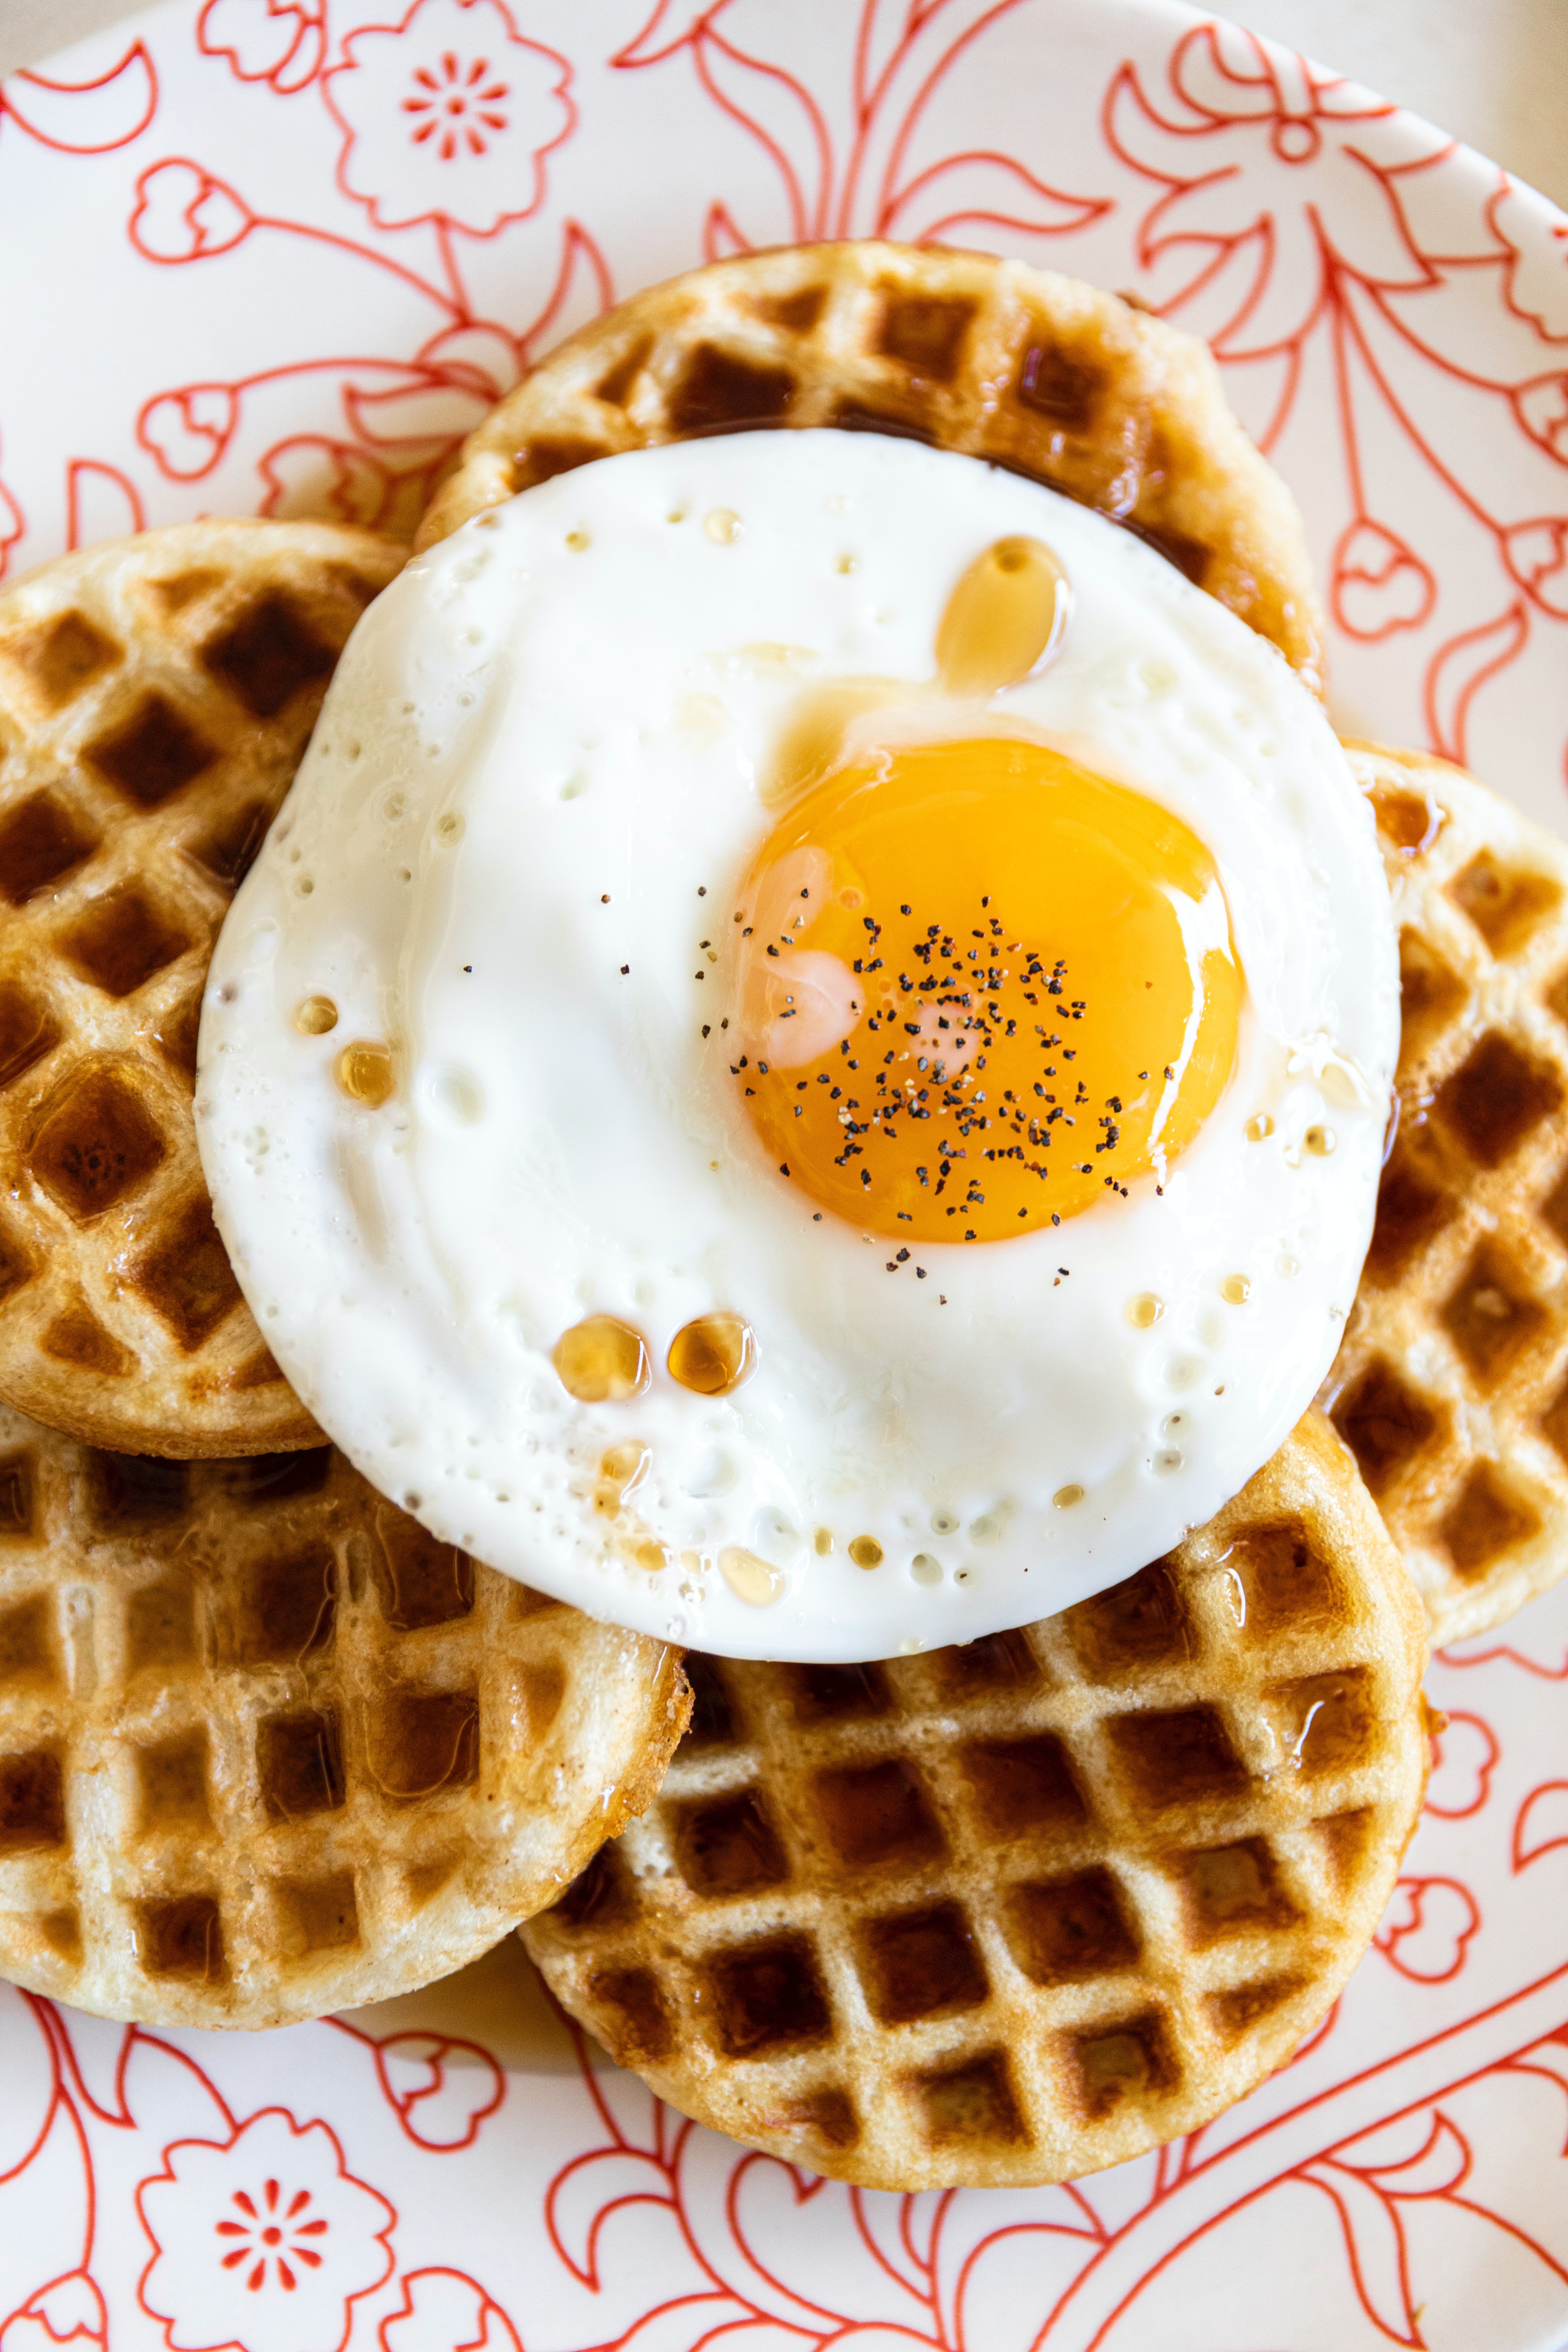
1451 1385
156 695
1018 366
1012 1912
267 1748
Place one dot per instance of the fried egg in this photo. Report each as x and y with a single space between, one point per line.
804 1066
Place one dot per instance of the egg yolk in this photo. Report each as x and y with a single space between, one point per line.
980 989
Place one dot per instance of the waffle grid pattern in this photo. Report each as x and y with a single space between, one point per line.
155 696
1451 1385
1016 1911
267 1748
1028 369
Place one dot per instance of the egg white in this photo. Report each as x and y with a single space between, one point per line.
530 798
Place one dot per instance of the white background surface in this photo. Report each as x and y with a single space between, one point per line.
1495 71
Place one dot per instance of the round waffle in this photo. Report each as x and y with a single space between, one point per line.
1451 1386
1013 1912
268 1750
1040 373
155 696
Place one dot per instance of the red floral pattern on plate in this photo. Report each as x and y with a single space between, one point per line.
448 117
304 303
264 2241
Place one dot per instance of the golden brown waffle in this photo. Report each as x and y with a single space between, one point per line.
1012 1912
267 1748
1037 372
155 696
1451 1386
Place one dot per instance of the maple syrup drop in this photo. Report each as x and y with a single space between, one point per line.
315 1016
713 1354
602 1360
367 1073
1004 618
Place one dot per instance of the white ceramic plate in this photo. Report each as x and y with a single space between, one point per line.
274 255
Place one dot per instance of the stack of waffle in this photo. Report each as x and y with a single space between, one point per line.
998 1914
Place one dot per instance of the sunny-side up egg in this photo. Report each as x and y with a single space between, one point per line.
806 1064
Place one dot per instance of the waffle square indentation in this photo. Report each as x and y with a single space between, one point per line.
228 852
40 839
996 1662
972 2101
921 1964
18 1493
423 1742
267 656
1386 1423
1486 1519
1284 1582
121 940
172 1783
419 1580
824 1694
797 312
1118 2063
637 2028
1554 1422
1327 1723
1408 822
286 1608
76 1337
548 454
925 332
266 1478
1230 1890
1136 1624
184 1937
187 1279
599 1897
134 1490
1497 1098
300 1764
1018 1785
96 1143
161 1625
317 1915
32 1802
63 657
729 1846
29 1648
614 385
1055 385
1507 905
153 752
16 1266
1429 993
1490 1316
713 1723
768 1996
721 388
1412 1207
1238 2010
1063 1928
27 1031
1177 1759
828 2115
877 1813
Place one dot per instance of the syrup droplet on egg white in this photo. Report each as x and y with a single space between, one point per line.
1004 620
367 1073
602 1360
713 1355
